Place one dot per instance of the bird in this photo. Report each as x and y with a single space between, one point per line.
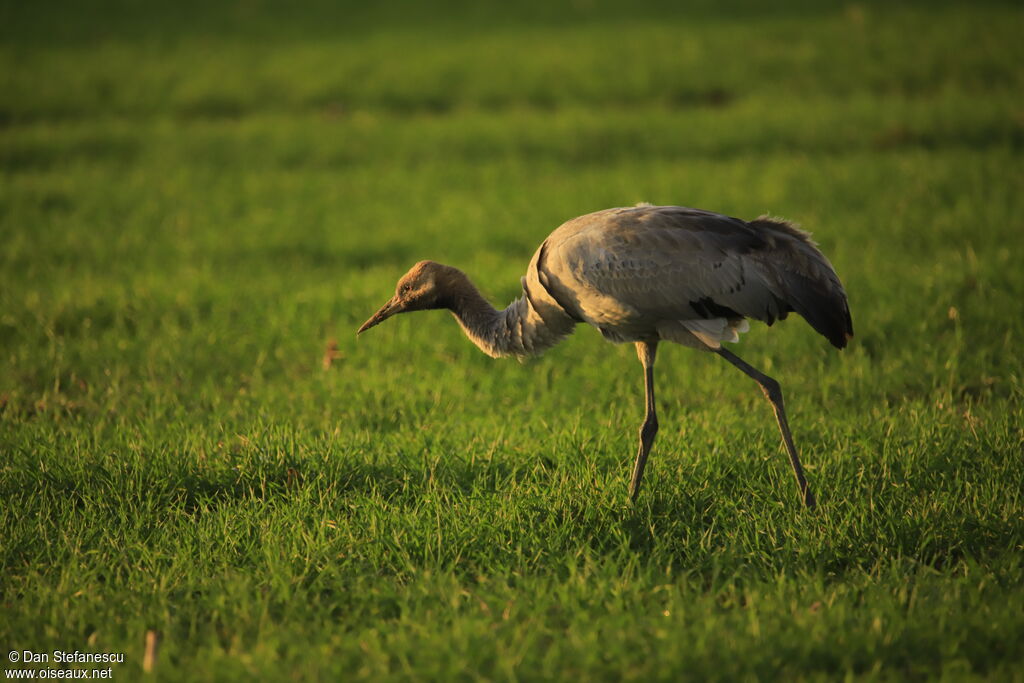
648 274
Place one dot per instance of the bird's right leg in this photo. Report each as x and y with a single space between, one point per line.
773 392
649 429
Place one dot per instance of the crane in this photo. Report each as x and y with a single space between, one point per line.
646 274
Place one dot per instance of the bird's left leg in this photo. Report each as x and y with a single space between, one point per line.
773 392
649 429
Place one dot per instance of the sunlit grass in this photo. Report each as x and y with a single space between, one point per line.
190 223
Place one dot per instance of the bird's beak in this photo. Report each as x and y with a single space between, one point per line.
386 311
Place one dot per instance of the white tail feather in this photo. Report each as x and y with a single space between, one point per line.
714 331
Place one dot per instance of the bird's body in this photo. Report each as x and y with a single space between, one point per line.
647 274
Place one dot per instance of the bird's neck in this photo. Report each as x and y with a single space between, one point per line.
515 331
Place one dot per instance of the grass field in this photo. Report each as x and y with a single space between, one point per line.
197 203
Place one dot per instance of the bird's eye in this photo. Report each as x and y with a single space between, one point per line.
406 288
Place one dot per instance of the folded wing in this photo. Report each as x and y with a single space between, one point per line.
637 268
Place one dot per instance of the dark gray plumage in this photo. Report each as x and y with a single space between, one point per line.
647 274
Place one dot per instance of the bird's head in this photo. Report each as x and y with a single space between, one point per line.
426 286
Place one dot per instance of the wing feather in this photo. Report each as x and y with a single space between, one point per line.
636 267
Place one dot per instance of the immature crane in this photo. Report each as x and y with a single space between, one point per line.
646 274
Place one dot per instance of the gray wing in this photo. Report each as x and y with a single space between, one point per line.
643 265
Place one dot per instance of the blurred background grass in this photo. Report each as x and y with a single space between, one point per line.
200 201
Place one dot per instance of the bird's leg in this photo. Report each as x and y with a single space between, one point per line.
649 429
773 392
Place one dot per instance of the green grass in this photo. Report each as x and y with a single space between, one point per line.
195 201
